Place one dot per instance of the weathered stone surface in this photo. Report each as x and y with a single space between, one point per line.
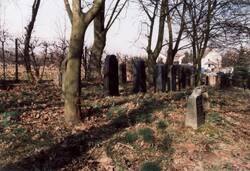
111 80
160 80
123 73
139 76
195 115
212 80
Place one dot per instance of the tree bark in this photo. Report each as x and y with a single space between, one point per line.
72 64
72 91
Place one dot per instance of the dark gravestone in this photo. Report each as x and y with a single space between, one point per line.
223 80
160 80
183 77
248 82
195 115
178 76
188 77
111 80
123 73
172 78
139 76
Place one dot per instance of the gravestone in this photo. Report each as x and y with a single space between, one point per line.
160 80
139 76
248 82
195 115
123 73
183 77
223 80
188 76
172 78
111 80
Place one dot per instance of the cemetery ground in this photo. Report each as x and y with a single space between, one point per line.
127 132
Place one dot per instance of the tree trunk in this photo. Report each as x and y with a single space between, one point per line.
151 68
99 43
96 54
72 75
4 63
29 30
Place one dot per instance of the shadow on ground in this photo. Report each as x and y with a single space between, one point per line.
75 146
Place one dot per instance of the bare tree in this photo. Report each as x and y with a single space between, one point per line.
29 29
4 35
175 21
151 9
210 21
72 64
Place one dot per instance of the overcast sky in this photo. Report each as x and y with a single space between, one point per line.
122 37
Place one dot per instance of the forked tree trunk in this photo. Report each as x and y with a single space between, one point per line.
72 64
72 74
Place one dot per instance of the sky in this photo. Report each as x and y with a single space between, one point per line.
123 37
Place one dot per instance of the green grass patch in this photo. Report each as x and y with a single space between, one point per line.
166 144
147 135
150 166
9 118
214 117
179 96
161 125
131 137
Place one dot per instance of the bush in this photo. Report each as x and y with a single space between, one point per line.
150 166
147 135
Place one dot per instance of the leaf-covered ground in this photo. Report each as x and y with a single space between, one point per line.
129 132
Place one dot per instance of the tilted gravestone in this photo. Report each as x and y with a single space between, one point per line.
111 80
160 80
196 106
123 73
172 78
139 76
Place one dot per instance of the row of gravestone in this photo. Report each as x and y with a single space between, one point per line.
179 76
197 103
